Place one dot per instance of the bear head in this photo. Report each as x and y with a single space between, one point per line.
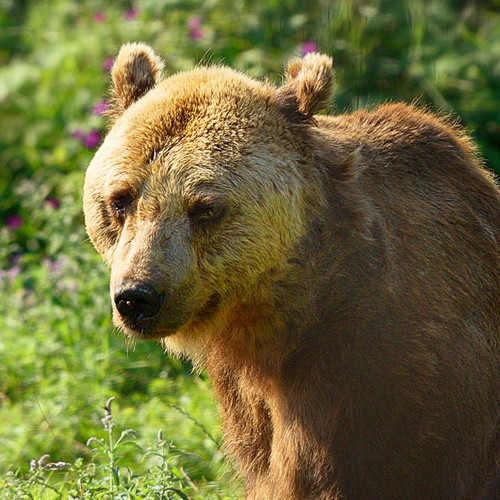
196 199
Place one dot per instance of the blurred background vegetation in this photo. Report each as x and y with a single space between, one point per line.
59 356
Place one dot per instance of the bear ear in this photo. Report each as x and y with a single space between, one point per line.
308 86
136 70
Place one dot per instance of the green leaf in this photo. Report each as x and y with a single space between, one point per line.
178 492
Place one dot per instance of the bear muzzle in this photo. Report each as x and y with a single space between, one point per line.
137 301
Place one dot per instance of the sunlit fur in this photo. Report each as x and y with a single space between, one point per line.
346 305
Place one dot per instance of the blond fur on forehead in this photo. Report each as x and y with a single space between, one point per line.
136 70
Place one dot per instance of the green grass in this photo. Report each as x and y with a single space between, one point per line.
60 358
106 475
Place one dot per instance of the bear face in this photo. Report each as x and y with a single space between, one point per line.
195 196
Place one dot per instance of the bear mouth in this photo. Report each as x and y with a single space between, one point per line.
149 330
165 324
144 327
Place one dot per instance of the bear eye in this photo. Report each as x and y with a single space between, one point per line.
204 212
121 205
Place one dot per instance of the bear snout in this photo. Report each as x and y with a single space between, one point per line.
136 301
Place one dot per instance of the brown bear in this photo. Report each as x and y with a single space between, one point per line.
337 276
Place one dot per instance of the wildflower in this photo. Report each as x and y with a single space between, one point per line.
309 46
100 17
89 140
56 465
78 134
92 139
42 461
54 266
194 25
108 415
14 222
196 35
107 64
131 14
53 203
100 108
13 272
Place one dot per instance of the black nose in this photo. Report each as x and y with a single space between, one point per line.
136 300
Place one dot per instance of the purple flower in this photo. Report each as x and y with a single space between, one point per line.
89 140
53 203
107 64
10 273
13 272
100 17
196 34
131 14
92 139
308 47
78 134
100 108
194 23
14 222
54 266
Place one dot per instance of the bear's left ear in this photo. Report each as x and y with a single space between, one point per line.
308 86
136 70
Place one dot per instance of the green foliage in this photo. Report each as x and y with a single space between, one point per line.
104 477
59 356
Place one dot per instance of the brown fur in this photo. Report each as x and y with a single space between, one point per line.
344 293
136 70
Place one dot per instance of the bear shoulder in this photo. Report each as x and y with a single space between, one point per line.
397 124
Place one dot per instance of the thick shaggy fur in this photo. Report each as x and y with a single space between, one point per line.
342 288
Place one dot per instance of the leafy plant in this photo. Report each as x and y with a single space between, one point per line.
104 477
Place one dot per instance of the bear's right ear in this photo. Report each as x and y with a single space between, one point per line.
136 70
307 88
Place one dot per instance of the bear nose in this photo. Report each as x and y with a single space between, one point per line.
136 301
